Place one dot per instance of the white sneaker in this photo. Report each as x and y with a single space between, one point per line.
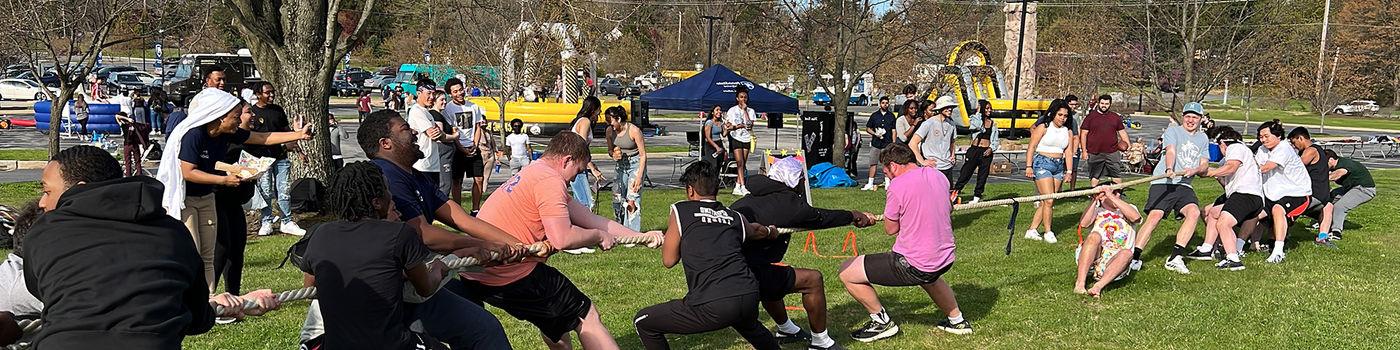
1033 235
1050 238
225 320
265 230
1275 258
738 191
584 250
974 200
869 186
291 228
1177 265
745 190
1135 265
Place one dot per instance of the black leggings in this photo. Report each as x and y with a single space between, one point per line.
675 317
231 240
976 159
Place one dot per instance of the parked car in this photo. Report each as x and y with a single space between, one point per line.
125 82
344 88
634 90
1363 107
50 78
377 81
23 89
108 71
357 78
610 86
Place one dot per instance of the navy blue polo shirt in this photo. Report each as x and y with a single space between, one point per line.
202 150
414 195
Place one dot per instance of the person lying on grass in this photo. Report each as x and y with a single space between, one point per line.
1108 248
917 214
776 199
722 291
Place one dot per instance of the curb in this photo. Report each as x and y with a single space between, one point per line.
10 165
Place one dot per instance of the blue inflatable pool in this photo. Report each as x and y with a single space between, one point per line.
102 118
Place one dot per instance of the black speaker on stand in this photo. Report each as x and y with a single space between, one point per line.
641 115
775 122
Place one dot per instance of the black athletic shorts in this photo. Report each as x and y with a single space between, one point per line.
471 166
774 281
1293 207
1170 198
735 144
545 298
891 269
1219 201
1243 206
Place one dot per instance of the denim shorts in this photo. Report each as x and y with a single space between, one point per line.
1047 168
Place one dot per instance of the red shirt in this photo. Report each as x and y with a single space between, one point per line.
363 103
1103 131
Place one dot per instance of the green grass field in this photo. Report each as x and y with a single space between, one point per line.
1318 298
24 154
1297 115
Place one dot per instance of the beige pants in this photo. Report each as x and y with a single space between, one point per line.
203 222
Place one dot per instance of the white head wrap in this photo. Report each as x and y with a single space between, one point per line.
208 105
787 171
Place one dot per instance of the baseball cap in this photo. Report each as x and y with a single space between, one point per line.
1193 107
426 85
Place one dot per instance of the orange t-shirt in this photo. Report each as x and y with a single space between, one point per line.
516 207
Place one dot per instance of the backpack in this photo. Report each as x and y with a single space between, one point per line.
826 175
307 195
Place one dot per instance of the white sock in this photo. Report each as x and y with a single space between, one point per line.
1204 248
789 327
956 320
870 181
880 317
1278 248
822 340
1233 257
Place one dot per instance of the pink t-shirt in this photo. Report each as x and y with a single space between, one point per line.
918 200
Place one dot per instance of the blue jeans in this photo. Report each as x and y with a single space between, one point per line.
1048 168
627 172
582 192
274 183
459 322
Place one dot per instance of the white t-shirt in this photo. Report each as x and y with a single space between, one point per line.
1246 178
1289 178
420 120
738 116
464 116
518 144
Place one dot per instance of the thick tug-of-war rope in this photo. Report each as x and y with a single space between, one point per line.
452 263
1027 199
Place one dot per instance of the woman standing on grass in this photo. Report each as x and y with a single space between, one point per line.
627 146
712 135
1047 164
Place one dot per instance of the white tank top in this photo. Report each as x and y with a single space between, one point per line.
1055 140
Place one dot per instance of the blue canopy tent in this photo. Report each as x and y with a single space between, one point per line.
715 86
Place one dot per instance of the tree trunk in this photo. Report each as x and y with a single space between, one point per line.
1395 86
307 103
56 118
840 99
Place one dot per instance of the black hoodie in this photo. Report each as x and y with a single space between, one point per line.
114 271
774 203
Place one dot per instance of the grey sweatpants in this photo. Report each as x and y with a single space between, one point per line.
1347 199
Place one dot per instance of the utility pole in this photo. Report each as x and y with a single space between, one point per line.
710 58
1322 124
1322 52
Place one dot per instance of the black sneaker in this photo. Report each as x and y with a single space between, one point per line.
1197 255
873 331
1218 253
1230 265
801 335
961 328
1334 236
